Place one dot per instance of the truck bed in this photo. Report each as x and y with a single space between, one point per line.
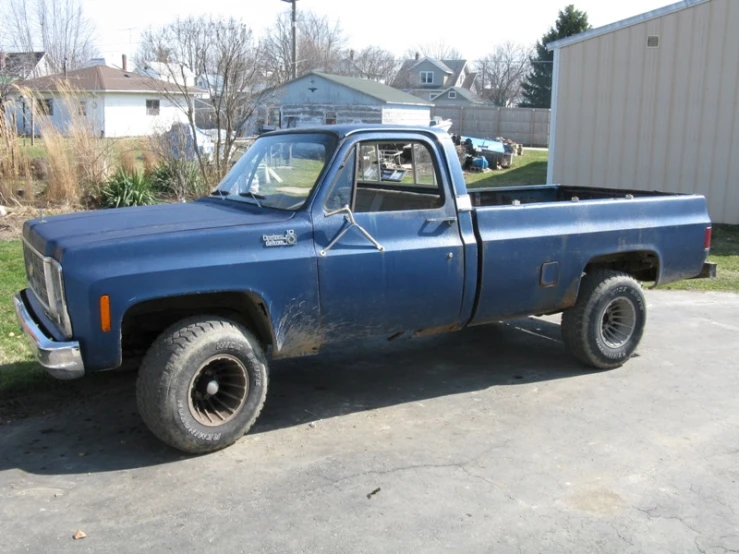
502 196
536 242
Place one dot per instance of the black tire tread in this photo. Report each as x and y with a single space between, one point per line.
161 360
574 325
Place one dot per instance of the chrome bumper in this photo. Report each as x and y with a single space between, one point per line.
61 360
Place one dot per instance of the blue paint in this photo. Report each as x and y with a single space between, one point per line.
485 145
518 251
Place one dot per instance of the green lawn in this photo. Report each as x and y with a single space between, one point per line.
725 252
17 368
529 169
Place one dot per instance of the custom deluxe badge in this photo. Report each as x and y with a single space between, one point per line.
288 239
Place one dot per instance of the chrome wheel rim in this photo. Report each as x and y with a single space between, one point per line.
617 322
218 390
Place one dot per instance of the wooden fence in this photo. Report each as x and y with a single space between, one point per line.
527 126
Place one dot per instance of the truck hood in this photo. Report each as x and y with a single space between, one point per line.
53 235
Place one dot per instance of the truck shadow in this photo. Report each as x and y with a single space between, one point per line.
104 432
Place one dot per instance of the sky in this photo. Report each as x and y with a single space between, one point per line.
473 28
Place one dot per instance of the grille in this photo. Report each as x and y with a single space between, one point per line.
35 273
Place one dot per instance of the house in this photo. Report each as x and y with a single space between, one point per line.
449 82
457 96
172 73
211 83
323 99
115 103
17 66
651 103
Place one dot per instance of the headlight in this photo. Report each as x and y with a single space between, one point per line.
57 301
46 280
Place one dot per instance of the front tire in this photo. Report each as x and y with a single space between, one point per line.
606 324
202 384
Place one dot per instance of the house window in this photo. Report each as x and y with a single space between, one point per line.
330 118
152 107
452 94
653 41
427 77
83 108
275 118
46 106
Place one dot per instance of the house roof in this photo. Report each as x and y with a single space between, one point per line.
21 64
453 67
169 70
464 93
101 78
376 90
438 63
618 25
469 80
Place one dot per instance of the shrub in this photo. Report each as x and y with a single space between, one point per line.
180 178
162 178
151 161
128 159
126 189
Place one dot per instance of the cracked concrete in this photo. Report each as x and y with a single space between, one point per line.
486 440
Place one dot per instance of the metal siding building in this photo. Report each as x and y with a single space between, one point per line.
319 98
626 114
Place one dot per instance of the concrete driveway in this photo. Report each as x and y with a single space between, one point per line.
488 440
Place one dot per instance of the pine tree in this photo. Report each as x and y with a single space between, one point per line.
537 89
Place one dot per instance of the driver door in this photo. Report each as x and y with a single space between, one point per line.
406 272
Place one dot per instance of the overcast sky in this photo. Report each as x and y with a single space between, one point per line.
396 25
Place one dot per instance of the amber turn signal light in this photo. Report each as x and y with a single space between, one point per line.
105 313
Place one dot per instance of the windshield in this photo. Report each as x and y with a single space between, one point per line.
279 171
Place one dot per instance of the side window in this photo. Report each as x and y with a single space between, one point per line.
341 194
386 177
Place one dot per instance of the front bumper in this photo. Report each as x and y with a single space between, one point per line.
61 360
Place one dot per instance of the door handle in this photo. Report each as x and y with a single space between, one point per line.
448 220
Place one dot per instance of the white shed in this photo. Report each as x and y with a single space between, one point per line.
651 103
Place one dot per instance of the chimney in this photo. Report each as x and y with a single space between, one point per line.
124 62
418 56
351 55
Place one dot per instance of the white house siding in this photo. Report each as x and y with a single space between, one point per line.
61 107
407 115
667 118
125 115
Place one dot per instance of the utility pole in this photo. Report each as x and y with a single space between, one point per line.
294 38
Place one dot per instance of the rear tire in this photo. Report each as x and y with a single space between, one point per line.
202 384
606 324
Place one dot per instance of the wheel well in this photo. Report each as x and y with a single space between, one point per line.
641 265
144 322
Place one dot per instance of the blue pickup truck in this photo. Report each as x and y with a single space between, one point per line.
337 234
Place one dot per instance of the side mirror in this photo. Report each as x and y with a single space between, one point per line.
343 210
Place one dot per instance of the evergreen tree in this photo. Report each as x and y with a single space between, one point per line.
537 89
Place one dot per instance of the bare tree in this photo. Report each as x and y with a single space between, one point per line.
58 27
502 73
438 50
372 63
223 53
321 45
